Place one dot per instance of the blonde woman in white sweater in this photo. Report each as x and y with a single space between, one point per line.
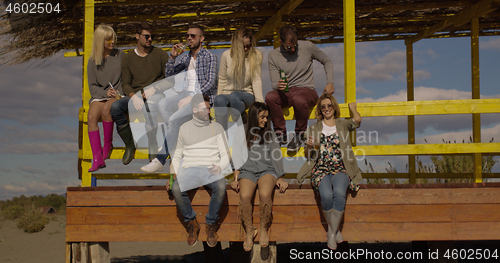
240 81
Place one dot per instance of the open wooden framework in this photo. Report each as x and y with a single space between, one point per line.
320 22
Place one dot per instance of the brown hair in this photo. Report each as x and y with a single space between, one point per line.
335 104
143 26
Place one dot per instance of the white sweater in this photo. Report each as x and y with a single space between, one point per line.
200 143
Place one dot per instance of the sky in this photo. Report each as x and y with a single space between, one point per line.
39 112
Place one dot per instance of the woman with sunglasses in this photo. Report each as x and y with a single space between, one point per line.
258 161
331 162
105 86
240 81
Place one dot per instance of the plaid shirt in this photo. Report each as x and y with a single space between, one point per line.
206 71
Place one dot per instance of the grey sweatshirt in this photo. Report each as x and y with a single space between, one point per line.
298 67
110 71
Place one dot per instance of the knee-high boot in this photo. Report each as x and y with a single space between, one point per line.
266 217
107 148
333 218
247 222
126 134
95 145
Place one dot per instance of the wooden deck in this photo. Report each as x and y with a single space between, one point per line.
375 213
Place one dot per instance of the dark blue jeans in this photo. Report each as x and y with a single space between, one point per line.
184 204
236 103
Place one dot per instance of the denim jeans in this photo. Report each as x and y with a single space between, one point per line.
173 118
333 191
218 188
120 111
237 102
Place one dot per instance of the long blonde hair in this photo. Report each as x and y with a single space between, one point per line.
237 53
100 34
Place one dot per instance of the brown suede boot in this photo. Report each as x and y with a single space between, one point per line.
211 234
247 222
266 216
193 229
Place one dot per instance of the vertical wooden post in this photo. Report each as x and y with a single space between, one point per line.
476 118
88 37
410 96
350 55
276 38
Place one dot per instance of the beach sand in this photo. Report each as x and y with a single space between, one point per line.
48 246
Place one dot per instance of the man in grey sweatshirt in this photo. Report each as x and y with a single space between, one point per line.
295 58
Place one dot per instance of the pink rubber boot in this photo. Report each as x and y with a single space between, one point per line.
95 144
107 148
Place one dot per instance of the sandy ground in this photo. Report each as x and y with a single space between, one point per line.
16 246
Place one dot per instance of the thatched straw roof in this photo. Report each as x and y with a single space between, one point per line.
40 36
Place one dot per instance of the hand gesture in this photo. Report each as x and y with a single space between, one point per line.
149 92
184 102
281 85
215 169
353 106
138 102
174 52
282 185
111 93
310 141
235 185
329 88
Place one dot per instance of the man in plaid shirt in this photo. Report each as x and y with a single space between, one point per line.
201 74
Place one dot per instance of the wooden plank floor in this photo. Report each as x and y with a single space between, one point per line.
375 213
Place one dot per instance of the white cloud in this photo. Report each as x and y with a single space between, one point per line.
424 93
461 136
492 43
36 95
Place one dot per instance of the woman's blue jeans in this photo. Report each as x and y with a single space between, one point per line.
333 191
236 102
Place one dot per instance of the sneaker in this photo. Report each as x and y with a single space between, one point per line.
295 143
154 166
211 234
193 229
282 138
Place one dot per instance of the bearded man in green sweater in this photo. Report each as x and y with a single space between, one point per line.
140 67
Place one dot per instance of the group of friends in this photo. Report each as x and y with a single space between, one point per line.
143 80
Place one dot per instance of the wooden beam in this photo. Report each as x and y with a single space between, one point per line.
461 18
169 2
276 20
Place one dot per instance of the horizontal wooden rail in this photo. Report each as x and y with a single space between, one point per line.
364 150
403 108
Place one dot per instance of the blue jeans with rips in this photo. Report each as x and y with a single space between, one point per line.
333 191
218 188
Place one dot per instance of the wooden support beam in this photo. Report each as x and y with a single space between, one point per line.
476 118
461 18
276 20
410 96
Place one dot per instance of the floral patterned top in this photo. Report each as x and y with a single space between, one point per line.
329 160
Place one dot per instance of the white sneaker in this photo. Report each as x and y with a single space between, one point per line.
153 167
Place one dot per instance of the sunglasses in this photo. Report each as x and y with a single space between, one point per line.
193 36
326 106
288 47
147 36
